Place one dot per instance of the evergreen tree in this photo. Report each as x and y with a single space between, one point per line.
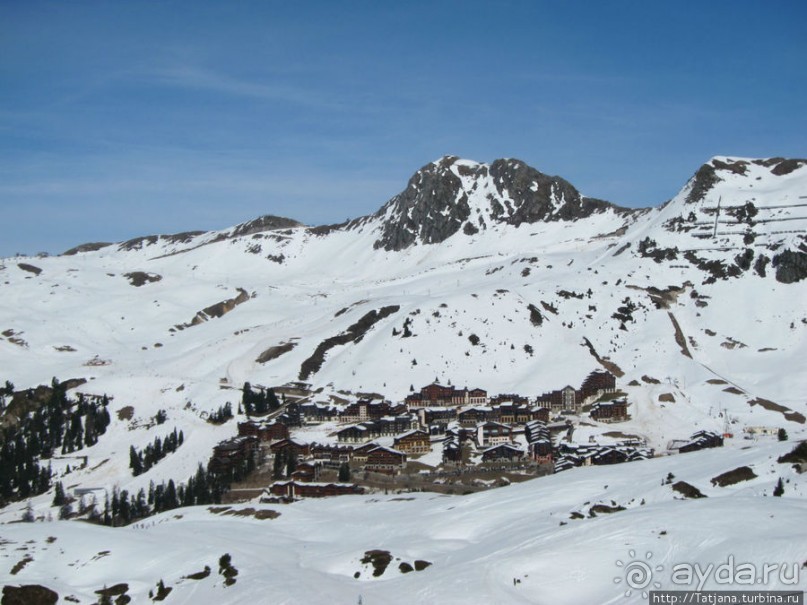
59 497
782 434
107 520
135 462
115 506
171 499
124 507
779 490
141 506
344 473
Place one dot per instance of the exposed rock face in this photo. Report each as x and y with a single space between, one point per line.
540 197
354 333
88 247
705 178
418 212
264 223
29 268
737 475
140 278
707 175
217 310
436 202
30 594
790 266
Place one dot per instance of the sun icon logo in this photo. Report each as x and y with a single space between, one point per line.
638 574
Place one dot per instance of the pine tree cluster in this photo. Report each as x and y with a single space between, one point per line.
285 464
204 487
222 415
60 425
140 462
258 403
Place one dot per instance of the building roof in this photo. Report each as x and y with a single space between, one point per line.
503 445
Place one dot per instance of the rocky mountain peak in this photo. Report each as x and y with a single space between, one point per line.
452 194
719 168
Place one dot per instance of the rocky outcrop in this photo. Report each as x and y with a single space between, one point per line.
353 334
435 204
88 247
540 197
431 209
705 178
140 278
215 311
267 222
791 266
30 594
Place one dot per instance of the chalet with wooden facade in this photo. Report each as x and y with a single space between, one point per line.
567 400
503 452
610 411
597 384
296 449
437 395
360 453
508 398
539 441
333 454
356 433
383 427
365 410
473 416
273 430
317 413
436 416
297 489
229 453
493 433
385 460
597 454
701 440
413 443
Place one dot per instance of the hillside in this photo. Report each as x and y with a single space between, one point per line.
489 275
536 542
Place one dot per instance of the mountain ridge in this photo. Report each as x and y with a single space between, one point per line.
435 203
687 304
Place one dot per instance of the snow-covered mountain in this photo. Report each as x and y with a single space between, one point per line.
495 276
569 539
710 284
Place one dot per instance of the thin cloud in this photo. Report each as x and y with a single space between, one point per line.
191 77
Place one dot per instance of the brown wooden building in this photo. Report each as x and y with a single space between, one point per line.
610 411
385 460
296 489
413 443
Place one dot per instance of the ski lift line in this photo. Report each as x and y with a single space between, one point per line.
710 209
703 226
717 215
782 206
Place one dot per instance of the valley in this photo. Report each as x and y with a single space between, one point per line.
442 351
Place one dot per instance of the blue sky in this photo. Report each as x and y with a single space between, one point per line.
120 119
